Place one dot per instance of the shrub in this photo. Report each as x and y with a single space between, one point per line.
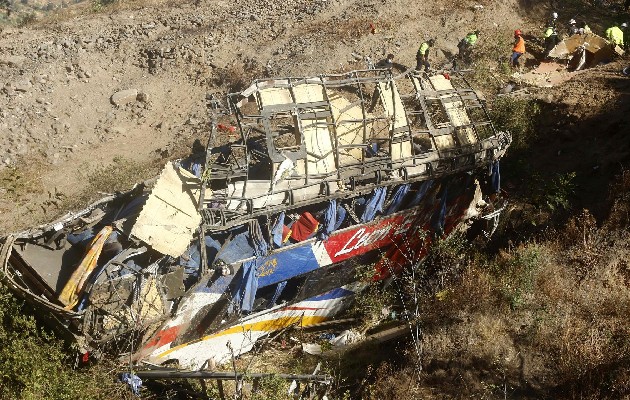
619 216
16 183
517 116
552 194
34 364
516 274
27 19
98 5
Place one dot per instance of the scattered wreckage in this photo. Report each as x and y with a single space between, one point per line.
574 53
302 180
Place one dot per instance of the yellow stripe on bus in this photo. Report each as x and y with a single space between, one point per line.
267 325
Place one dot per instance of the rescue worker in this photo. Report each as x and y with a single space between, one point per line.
551 40
422 56
615 34
466 45
519 48
573 29
553 20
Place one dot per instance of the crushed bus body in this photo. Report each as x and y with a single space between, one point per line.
302 179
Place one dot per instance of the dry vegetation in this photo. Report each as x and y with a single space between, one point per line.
545 319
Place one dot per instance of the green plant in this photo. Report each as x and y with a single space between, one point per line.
121 174
34 364
27 19
444 262
98 5
517 116
552 194
270 387
516 275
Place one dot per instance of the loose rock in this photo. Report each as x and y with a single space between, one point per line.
124 97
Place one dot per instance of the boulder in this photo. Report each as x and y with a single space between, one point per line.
124 97
23 85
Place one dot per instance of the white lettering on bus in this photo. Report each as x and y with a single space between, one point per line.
362 239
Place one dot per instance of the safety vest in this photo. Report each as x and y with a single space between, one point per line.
548 32
615 35
519 47
423 48
471 39
587 29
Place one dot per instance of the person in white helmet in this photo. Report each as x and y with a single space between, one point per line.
553 20
573 29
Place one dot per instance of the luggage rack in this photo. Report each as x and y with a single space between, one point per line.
345 135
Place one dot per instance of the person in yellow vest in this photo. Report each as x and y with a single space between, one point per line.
519 48
615 34
466 45
551 40
422 56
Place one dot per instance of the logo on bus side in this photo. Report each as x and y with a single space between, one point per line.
380 236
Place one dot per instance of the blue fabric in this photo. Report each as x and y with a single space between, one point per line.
372 150
341 216
192 165
397 199
82 238
333 218
245 294
85 237
440 221
495 176
258 241
279 288
133 207
134 382
422 190
330 217
238 248
374 204
276 231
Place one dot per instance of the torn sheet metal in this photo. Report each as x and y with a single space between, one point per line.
170 216
597 46
571 55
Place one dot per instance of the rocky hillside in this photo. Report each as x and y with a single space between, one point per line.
60 116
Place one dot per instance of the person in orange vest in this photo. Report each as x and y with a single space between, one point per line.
518 49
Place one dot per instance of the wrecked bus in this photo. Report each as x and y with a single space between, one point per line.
302 180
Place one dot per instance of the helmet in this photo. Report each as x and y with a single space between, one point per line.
431 42
554 15
518 32
572 21
624 25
